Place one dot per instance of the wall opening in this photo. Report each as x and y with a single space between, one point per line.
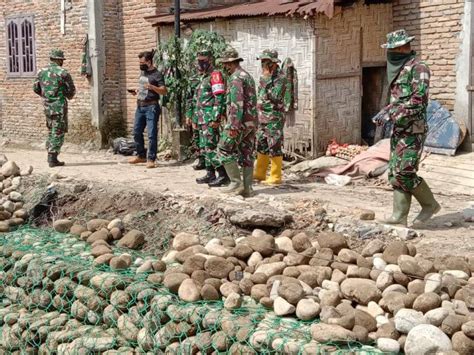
373 83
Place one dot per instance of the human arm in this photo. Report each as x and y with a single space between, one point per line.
414 98
235 106
275 88
158 89
157 84
37 86
70 89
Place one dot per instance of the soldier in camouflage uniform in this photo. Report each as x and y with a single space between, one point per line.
55 86
191 121
409 80
209 110
271 119
237 143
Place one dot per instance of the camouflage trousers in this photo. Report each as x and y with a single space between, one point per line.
237 146
208 140
195 147
57 128
270 138
405 154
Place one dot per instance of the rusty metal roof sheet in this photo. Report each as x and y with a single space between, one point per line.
260 8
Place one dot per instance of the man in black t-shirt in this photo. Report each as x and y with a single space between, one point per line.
151 85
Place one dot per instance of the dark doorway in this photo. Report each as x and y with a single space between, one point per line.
373 99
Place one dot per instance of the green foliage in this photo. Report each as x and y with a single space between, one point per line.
175 53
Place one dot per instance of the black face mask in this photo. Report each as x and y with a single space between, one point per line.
203 65
143 67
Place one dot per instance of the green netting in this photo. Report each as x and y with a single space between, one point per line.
55 301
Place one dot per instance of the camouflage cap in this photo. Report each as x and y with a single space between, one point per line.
270 54
56 54
230 55
204 52
397 39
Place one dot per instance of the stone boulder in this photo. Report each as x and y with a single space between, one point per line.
426 339
361 290
62 225
134 239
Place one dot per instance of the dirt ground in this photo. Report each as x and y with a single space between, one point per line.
111 185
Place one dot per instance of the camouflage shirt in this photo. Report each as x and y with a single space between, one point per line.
241 101
409 98
270 97
209 106
55 86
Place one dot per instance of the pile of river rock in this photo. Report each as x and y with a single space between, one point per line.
103 235
12 213
207 297
385 294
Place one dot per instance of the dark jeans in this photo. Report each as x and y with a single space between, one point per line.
146 116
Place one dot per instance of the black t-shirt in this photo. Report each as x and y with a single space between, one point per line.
153 77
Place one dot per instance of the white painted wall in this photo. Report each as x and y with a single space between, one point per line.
461 106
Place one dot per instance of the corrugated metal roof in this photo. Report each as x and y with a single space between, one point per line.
260 8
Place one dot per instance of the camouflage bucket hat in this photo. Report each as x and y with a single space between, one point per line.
397 39
230 55
270 54
56 54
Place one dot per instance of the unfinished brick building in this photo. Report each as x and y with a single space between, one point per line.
117 31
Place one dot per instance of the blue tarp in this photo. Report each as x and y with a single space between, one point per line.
444 133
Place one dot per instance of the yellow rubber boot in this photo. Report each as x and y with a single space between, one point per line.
261 166
275 171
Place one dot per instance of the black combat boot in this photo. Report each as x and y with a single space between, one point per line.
200 165
210 175
222 180
53 160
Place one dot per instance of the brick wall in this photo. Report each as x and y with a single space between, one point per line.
21 110
437 25
114 123
137 36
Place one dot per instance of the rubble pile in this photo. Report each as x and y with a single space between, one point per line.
291 294
12 212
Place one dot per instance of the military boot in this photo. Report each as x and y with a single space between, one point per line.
53 160
221 180
401 208
210 175
235 187
429 206
200 164
248 179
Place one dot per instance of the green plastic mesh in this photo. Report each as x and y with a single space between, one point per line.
54 300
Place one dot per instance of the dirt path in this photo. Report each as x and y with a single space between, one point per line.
445 234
